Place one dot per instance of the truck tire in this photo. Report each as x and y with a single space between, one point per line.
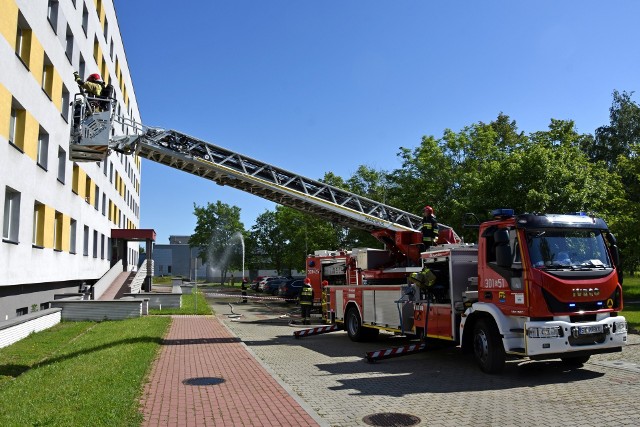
575 362
487 347
357 332
353 324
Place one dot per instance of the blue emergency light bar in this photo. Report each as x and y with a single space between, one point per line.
502 213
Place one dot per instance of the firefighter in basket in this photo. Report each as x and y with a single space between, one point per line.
306 301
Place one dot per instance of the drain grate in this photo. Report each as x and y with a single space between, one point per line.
203 381
391 419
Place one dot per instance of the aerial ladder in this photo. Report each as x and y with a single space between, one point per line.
93 137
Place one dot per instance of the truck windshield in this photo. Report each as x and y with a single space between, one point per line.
567 248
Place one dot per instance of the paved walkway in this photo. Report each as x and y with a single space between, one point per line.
237 390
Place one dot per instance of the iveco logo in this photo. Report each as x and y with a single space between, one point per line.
585 292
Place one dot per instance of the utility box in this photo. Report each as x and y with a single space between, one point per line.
369 259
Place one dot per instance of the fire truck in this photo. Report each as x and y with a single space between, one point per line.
537 286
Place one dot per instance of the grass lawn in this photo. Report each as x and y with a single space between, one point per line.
189 303
631 292
79 373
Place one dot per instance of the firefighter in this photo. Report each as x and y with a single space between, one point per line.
93 86
244 290
423 280
429 229
306 301
325 307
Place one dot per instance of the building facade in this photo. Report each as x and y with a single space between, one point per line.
57 215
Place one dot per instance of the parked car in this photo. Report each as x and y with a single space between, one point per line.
291 289
256 282
264 282
273 286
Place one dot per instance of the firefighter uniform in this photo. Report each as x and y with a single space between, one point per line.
429 228
306 302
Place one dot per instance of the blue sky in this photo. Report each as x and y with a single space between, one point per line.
319 86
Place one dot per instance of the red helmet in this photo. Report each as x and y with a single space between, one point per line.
95 77
428 210
307 281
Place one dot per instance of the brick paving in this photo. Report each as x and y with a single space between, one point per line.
441 386
239 391
272 379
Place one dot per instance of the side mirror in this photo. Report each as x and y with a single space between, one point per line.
615 254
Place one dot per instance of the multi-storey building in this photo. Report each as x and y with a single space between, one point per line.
57 215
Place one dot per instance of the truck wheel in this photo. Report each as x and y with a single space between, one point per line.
487 347
354 325
575 362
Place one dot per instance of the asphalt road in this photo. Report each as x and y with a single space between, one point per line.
440 387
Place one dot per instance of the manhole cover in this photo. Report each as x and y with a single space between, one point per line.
391 419
203 381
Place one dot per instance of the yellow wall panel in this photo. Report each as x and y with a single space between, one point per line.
36 59
5 108
31 130
9 21
56 90
91 192
82 183
66 232
49 221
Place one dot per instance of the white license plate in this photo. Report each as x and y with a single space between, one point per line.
588 330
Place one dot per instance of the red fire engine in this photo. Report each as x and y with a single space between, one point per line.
537 286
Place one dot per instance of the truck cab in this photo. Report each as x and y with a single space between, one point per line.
548 287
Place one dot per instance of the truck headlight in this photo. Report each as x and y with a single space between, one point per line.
544 332
619 327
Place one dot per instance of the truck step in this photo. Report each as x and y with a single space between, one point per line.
388 353
315 331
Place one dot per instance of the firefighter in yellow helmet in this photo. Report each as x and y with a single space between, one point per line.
306 301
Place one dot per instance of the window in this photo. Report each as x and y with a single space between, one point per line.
62 164
85 19
82 66
43 149
57 231
52 15
11 223
13 124
85 246
22 311
23 40
87 189
96 197
111 172
72 236
111 49
65 104
95 243
104 204
38 225
101 246
96 49
68 45
47 77
106 30
104 167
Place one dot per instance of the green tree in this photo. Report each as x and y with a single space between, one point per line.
218 232
617 145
